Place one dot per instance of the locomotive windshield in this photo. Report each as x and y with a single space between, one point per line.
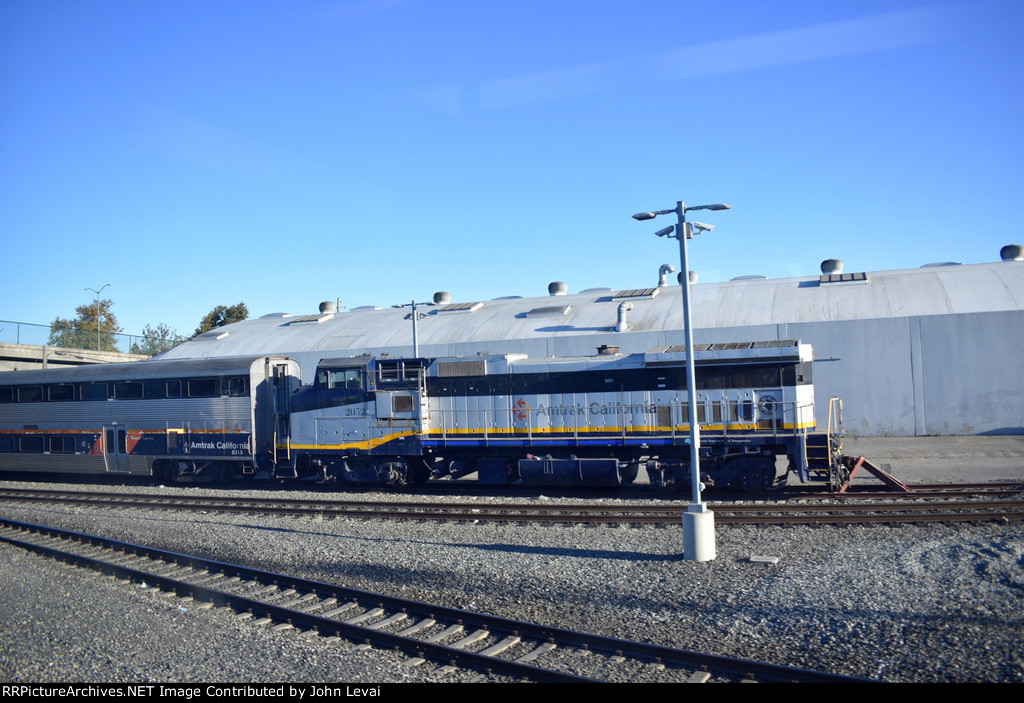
350 379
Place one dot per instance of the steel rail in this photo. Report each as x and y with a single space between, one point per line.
839 513
323 626
844 502
842 512
503 626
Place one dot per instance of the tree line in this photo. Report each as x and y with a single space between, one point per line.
96 327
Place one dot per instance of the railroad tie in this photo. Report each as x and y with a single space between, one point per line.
421 625
319 604
397 617
470 639
500 647
536 653
368 615
453 630
296 601
341 609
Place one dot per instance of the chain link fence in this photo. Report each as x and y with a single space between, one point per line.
72 337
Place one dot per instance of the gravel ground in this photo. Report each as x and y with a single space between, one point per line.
932 603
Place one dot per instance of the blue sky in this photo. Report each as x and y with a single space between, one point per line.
194 154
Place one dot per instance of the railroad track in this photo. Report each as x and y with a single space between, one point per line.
829 509
430 635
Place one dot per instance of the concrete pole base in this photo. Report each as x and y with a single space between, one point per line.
698 533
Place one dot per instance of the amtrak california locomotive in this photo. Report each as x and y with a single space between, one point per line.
395 421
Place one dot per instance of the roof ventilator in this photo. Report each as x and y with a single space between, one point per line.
663 273
1012 252
622 325
636 294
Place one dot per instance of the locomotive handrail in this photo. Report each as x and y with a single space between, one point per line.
451 423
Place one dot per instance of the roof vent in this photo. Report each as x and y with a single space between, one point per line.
832 266
549 311
825 278
1012 252
557 288
693 277
211 336
328 306
311 319
459 307
624 307
442 297
635 293
663 273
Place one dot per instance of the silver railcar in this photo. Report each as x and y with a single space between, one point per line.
164 418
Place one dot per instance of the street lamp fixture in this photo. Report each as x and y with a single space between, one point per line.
97 292
698 521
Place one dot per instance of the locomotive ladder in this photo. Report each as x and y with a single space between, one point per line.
824 450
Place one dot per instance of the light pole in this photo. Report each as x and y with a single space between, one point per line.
97 292
415 339
698 521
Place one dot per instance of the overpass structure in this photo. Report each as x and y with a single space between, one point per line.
23 357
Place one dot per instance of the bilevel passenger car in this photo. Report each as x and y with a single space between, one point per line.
216 417
590 421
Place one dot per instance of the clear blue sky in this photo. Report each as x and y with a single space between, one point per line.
193 154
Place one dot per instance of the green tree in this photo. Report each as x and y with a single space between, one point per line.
94 328
223 315
155 340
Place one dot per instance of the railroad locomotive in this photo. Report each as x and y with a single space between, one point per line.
588 421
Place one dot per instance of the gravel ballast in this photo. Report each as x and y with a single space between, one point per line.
928 603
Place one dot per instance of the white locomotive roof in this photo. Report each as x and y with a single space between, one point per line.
931 290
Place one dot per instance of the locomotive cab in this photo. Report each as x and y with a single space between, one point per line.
360 421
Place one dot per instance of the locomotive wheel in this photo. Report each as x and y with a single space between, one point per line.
217 473
164 471
419 472
751 473
392 472
838 475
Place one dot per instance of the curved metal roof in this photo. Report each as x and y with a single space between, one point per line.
132 370
932 290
